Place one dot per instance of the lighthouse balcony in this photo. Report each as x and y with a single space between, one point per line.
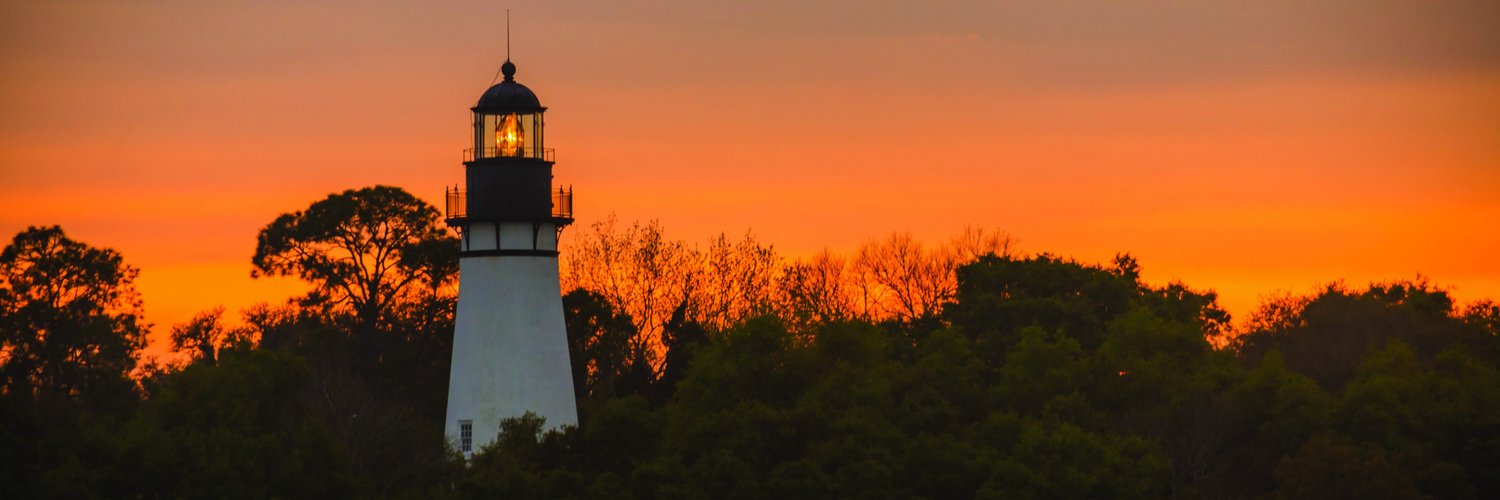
457 209
544 154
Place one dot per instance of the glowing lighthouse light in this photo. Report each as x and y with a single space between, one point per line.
510 138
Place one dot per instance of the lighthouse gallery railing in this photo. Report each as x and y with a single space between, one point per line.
458 203
546 154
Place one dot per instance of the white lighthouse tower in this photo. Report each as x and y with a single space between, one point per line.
510 348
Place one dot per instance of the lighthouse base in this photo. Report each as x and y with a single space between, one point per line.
510 349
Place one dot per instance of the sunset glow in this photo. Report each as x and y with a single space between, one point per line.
1251 150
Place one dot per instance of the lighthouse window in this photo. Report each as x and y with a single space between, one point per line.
508 134
466 435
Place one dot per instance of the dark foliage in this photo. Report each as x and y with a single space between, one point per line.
367 253
1042 378
70 329
235 429
1327 335
1048 379
69 324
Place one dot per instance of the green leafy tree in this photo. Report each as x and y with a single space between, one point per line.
1461 399
998 296
525 462
1277 409
239 428
1065 461
1484 318
1040 369
1327 335
1326 468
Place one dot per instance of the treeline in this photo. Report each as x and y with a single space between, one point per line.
649 277
725 371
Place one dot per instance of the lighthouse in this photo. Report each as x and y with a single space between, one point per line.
510 347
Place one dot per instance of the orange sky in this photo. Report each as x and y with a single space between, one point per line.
1245 148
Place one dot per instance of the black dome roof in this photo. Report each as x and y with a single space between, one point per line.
508 96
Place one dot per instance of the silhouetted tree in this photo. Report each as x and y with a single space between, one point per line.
365 251
1325 336
70 326
1026 376
816 290
1323 468
599 344
70 333
646 275
998 296
383 268
681 338
900 278
376 329
203 336
232 429
640 272
737 282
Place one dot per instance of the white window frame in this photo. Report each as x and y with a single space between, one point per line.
466 436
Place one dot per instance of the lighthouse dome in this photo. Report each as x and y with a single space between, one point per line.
508 96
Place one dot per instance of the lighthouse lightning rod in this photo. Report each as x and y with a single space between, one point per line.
507 48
